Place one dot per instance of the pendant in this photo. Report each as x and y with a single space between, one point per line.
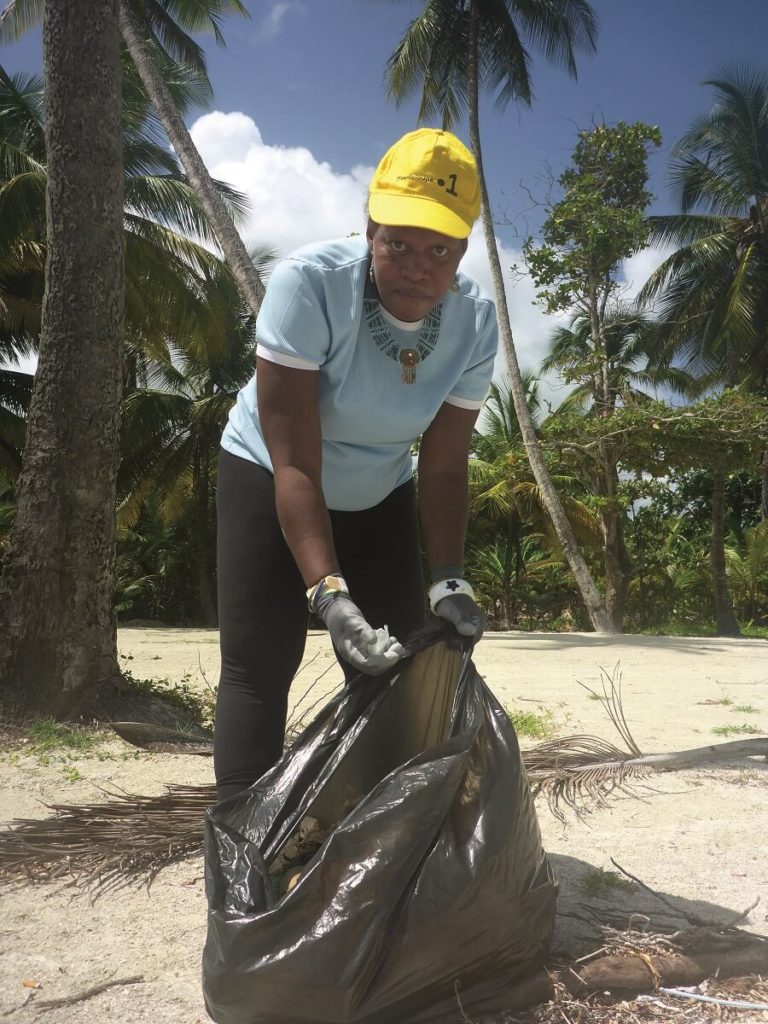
409 358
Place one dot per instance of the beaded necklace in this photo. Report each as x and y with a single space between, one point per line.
409 358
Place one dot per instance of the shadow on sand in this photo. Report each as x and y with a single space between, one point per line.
622 904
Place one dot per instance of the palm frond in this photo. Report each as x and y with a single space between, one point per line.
430 58
21 122
22 208
13 426
106 845
504 62
16 390
171 201
19 17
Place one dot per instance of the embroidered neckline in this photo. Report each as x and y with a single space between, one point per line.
385 341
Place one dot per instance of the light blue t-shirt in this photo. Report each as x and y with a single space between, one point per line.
313 318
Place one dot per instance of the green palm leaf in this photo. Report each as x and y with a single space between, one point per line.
19 17
713 290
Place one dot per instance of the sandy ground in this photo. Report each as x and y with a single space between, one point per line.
697 836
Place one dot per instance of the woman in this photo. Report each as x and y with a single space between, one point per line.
364 345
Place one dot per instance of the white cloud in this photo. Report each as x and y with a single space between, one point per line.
531 326
271 25
225 138
295 198
638 268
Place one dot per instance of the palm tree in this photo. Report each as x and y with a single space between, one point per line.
165 269
163 290
172 425
163 212
56 585
620 371
497 582
507 505
713 290
747 568
155 31
448 52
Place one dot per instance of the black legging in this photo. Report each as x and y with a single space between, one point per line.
263 610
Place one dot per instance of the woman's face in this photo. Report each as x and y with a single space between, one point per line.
413 267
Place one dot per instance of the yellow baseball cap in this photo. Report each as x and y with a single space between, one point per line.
427 179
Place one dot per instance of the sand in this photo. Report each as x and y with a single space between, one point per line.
697 836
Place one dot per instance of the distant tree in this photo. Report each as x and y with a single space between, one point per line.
630 355
508 509
597 223
747 568
165 268
713 290
143 33
172 426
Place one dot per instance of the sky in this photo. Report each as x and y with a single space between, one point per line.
300 117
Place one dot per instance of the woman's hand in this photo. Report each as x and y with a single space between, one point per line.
354 638
465 614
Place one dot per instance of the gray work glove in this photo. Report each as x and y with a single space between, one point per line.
354 639
466 616
458 607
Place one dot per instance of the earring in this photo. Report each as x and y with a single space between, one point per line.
454 282
371 277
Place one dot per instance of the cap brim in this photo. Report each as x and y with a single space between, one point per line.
416 212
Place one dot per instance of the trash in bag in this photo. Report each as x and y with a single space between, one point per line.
389 861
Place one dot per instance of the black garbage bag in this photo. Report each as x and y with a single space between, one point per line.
434 883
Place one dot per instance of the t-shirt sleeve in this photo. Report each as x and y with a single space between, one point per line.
292 326
471 388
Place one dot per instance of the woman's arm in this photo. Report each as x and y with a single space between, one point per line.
443 486
444 508
290 424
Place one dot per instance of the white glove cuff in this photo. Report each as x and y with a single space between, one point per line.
444 588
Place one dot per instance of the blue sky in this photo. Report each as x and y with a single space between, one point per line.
301 116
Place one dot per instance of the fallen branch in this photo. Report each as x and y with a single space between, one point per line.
700 922
734 1004
54 1004
637 973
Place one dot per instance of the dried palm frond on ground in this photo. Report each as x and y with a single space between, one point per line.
102 845
130 836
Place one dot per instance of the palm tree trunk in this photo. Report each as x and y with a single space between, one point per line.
201 488
235 253
616 558
58 630
590 594
725 619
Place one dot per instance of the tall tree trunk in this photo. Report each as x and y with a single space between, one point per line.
57 626
235 253
618 566
725 619
590 594
201 486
